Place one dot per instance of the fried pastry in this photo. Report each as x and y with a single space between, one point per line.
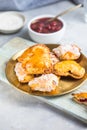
69 68
21 74
67 52
36 59
80 97
44 83
53 58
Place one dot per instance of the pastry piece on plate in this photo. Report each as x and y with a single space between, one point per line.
36 59
44 83
54 58
69 68
67 52
80 97
21 74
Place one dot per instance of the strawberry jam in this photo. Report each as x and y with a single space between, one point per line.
42 25
83 100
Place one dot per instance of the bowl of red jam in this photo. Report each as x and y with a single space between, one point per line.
43 30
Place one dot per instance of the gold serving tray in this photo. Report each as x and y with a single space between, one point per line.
65 86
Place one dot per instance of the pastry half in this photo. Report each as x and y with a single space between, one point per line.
44 83
67 52
80 97
69 68
36 59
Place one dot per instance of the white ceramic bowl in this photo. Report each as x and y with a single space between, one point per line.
54 37
11 22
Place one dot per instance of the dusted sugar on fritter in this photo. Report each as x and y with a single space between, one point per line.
67 52
44 83
36 59
69 68
21 73
54 59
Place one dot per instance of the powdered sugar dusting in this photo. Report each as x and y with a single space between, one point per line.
46 82
53 58
20 72
62 49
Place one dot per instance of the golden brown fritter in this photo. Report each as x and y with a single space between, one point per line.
69 68
44 83
80 97
67 52
36 59
21 74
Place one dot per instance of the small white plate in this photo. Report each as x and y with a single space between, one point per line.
11 22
